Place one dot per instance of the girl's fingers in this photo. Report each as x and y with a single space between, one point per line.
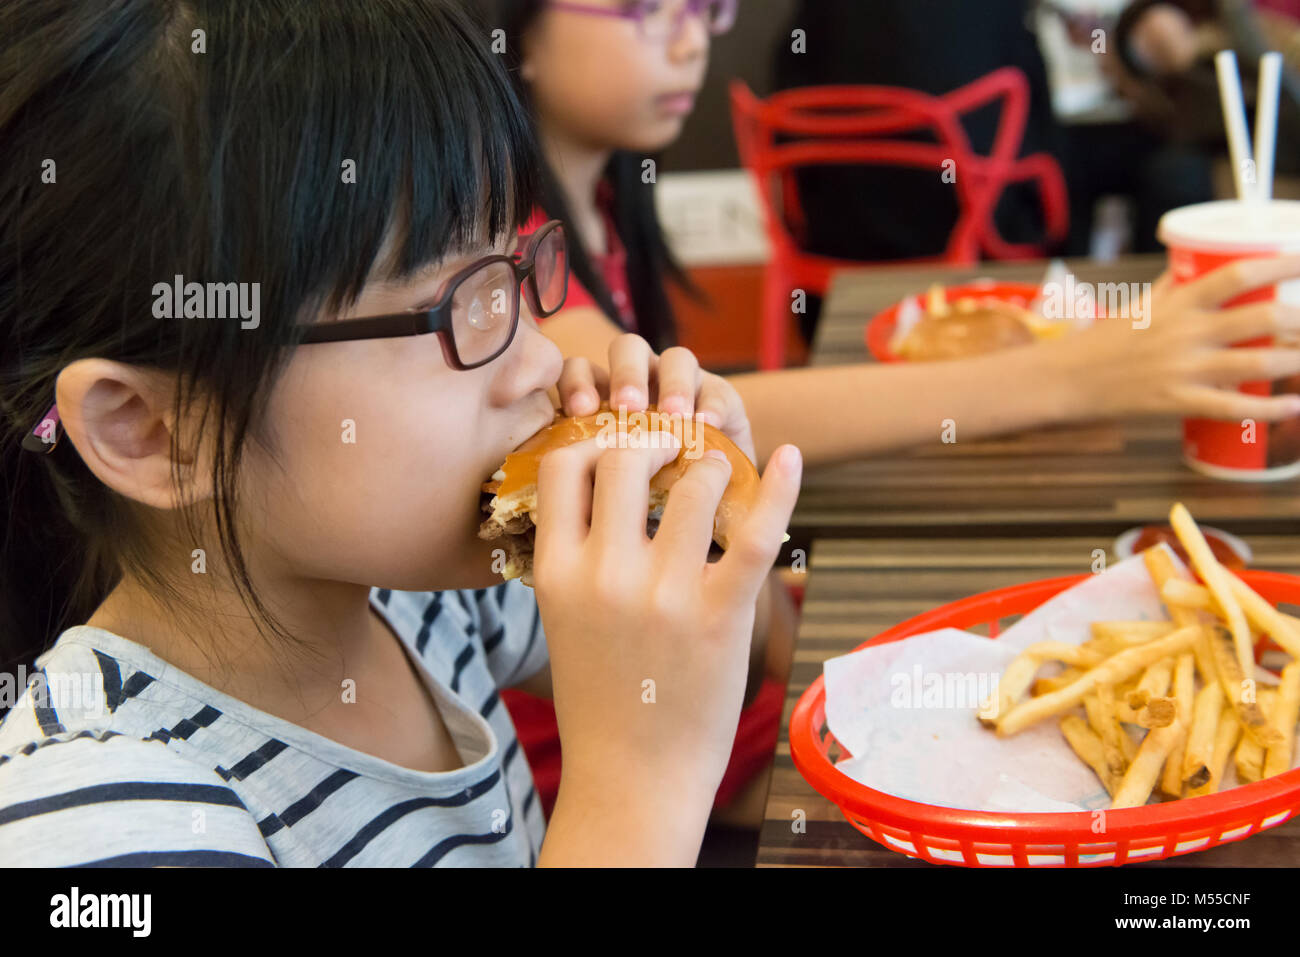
1254 321
629 373
755 544
564 479
686 528
620 499
1232 406
720 405
1164 282
678 377
581 386
1242 276
1230 366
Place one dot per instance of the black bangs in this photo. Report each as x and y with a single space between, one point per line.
398 141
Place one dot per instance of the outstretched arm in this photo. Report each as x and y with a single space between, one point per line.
1176 360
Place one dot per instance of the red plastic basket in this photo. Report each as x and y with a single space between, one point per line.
943 835
880 328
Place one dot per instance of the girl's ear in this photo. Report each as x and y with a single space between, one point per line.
119 417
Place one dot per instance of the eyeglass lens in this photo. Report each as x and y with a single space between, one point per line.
486 302
662 19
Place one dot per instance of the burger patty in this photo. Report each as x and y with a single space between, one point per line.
522 527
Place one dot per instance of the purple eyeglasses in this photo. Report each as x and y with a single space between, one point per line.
662 19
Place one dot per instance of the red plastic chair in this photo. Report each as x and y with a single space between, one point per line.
845 125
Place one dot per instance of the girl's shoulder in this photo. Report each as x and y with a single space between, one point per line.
110 799
81 787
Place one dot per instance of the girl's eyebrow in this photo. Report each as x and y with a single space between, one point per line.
443 268
410 285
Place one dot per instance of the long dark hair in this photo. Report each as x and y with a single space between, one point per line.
222 164
650 263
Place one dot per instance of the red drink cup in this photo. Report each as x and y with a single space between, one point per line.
1200 239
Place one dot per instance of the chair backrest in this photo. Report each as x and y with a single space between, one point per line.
846 125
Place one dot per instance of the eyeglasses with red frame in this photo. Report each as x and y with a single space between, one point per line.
477 313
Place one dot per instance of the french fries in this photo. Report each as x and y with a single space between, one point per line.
936 301
1218 580
1286 712
1171 781
1140 780
1088 746
1225 736
1056 682
1239 689
1019 676
1285 629
1200 738
1249 758
1160 566
1114 669
1100 708
1189 681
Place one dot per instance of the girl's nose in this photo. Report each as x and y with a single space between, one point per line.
535 362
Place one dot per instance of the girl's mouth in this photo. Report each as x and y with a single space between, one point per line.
676 103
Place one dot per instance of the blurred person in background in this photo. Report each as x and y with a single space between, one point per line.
1131 157
1165 66
1159 56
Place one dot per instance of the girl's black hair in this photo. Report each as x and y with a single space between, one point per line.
650 263
144 139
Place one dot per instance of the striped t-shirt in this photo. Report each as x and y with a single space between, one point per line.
128 761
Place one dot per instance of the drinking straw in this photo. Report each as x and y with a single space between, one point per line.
1270 85
1234 119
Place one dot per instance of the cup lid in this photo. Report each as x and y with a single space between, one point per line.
1233 225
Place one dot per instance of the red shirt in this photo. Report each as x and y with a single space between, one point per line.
610 263
1286 8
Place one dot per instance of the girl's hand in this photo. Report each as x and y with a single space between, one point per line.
648 641
1181 362
673 382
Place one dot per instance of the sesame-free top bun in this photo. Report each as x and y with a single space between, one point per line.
510 498
990 326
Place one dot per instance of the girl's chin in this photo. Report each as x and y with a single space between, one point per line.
662 134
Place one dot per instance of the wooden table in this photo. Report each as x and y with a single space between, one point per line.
857 588
1097 479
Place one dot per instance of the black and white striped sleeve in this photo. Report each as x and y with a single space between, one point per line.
111 800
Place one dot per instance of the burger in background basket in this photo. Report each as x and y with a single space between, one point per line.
984 316
969 326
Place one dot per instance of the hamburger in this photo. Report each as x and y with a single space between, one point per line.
986 326
509 498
